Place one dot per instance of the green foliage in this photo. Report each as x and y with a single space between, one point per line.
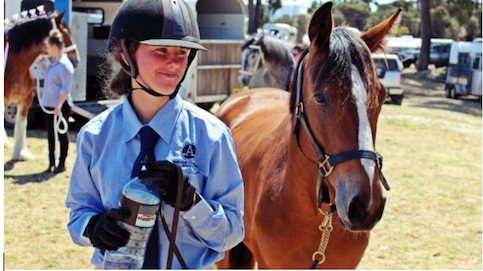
403 30
339 18
440 21
473 28
355 14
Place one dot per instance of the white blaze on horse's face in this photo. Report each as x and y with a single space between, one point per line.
365 133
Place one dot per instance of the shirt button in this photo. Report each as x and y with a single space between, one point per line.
193 217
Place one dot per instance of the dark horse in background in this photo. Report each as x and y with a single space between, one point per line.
308 155
26 43
266 62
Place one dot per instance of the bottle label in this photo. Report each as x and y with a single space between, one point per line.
146 216
141 215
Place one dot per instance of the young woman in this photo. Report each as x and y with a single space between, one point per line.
56 96
155 42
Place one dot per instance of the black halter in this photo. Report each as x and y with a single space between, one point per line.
326 162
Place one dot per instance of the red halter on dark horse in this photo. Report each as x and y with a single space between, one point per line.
26 43
316 146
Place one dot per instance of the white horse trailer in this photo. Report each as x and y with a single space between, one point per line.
282 32
464 71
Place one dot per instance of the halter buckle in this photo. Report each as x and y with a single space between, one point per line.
325 166
299 109
379 160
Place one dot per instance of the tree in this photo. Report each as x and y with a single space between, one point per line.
423 59
251 18
441 20
355 14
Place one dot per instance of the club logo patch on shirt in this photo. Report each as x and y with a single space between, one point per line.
189 151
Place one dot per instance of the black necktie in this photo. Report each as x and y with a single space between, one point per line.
148 140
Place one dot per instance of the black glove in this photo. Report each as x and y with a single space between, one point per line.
166 176
103 231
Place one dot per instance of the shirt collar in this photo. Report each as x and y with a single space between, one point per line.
163 122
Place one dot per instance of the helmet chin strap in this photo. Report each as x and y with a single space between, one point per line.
147 90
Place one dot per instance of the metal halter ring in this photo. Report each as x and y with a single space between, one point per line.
322 256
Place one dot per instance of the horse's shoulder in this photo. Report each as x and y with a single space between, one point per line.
201 117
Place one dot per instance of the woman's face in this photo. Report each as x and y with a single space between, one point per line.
161 68
52 49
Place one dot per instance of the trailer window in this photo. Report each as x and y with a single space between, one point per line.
476 64
95 15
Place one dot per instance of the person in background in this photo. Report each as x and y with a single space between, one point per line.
56 96
154 42
297 51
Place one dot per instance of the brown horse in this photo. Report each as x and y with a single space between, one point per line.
26 43
309 149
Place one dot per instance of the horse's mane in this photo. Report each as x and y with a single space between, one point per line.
345 49
276 49
27 33
272 49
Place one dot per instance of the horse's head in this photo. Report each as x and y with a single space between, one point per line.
251 58
70 47
342 99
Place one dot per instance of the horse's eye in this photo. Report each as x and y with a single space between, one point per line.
320 97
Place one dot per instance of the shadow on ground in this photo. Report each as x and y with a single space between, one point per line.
28 178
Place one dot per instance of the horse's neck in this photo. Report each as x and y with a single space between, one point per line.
19 63
301 179
279 72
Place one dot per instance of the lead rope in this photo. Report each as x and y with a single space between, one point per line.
173 249
326 228
57 120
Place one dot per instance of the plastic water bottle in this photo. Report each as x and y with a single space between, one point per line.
141 198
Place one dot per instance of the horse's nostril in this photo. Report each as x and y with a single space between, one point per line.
381 209
357 210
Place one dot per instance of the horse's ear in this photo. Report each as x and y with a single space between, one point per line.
59 17
374 37
321 25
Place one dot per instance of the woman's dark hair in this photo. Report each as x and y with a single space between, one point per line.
55 38
116 81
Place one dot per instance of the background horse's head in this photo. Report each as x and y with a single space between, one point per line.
342 100
265 52
29 34
70 47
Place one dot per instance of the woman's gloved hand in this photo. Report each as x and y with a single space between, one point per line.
104 232
166 176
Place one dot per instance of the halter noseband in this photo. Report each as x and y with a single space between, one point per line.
326 162
259 59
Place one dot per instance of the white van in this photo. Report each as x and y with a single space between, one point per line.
389 70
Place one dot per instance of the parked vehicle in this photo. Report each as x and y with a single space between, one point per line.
464 72
389 70
408 49
281 31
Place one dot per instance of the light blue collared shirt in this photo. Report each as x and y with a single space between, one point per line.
58 80
201 144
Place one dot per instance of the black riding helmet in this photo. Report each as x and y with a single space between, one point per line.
155 22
